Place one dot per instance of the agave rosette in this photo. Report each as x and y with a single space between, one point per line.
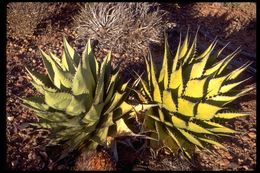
82 101
192 95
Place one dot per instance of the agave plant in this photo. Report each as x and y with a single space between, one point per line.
82 101
192 95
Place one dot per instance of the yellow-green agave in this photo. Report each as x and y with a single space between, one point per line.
82 101
191 94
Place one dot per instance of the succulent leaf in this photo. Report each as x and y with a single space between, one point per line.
59 100
163 77
229 115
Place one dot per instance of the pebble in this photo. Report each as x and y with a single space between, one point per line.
224 162
252 135
10 118
245 167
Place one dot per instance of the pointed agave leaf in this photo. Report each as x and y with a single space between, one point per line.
197 129
145 88
214 57
53 116
122 129
81 84
199 67
208 50
176 80
149 123
93 114
222 130
163 77
175 61
93 61
217 67
59 100
192 50
153 117
57 60
42 89
168 102
108 75
99 94
161 115
215 85
148 70
64 78
107 120
67 63
55 72
123 109
230 115
87 73
178 122
212 124
195 88
162 133
71 53
186 107
39 79
225 99
191 138
48 65
171 133
232 55
156 91
110 93
35 103
117 98
77 105
115 101
185 146
206 111
184 47
218 128
211 142
234 74
228 87
112 82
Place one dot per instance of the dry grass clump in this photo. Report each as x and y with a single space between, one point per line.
122 27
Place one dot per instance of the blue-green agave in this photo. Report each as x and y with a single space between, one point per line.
82 101
191 93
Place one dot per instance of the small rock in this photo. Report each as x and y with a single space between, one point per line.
245 167
252 135
224 162
10 118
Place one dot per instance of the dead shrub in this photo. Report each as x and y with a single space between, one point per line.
123 27
23 17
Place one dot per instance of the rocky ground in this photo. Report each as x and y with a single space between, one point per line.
231 22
